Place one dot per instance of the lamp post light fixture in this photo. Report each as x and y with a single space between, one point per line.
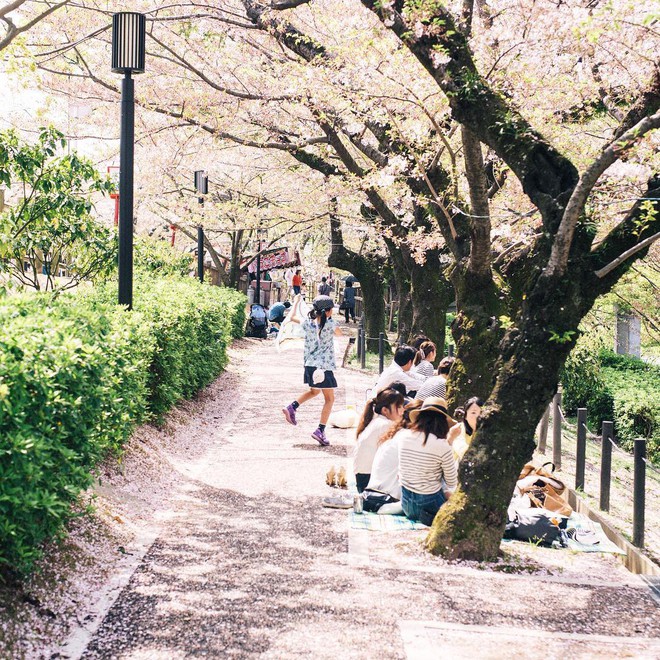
128 54
202 188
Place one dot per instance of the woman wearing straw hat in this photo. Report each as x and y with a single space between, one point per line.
426 461
319 361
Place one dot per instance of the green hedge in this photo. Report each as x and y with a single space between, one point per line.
77 375
618 388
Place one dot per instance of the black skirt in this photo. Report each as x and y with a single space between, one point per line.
328 383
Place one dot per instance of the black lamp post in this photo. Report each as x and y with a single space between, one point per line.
202 188
257 290
128 53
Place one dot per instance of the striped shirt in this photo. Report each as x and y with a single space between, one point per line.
434 386
422 468
425 369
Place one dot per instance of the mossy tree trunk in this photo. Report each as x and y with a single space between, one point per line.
431 295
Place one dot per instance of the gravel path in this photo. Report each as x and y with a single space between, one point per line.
246 562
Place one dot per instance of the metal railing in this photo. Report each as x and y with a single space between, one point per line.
607 445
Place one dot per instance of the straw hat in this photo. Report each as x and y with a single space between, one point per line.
435 404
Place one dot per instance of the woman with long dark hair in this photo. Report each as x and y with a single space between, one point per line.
427 468
319 361
380 414
460 436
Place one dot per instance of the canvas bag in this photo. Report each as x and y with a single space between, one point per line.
543 489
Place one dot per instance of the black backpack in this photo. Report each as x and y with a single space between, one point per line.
536 526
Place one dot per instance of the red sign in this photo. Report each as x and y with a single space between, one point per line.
277 258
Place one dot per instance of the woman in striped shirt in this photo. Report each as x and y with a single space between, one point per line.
426 461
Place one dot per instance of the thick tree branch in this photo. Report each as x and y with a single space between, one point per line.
612 152
626 255
12 30
624 241
480 217
647 104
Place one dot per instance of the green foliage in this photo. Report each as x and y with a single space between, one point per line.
161 259
51 220
583 384
77 374
618 388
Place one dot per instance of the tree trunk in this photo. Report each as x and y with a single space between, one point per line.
477 331
403 288
235 264
431 295
368 268
471 524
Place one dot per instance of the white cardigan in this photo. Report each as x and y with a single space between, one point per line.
367 443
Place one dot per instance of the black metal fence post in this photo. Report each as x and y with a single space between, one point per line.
543 430
358 347
200 254
581 449
606 465
639 492
450 350
381 352
363 350
556 431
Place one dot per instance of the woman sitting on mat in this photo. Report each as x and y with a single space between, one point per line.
460 436
379 415
426 461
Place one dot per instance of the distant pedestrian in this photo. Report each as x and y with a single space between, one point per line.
319 361
349 301
296 282
277 311
324 287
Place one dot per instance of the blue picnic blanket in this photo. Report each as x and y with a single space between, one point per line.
377 523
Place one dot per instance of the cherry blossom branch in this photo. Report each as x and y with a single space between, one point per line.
12 30
574 208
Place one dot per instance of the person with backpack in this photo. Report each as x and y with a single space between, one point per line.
324 287
319 364
348 302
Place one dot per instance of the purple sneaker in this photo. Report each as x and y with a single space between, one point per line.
290 414
319 436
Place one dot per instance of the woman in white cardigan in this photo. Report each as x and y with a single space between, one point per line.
379 415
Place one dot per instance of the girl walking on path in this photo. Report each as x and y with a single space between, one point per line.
319 361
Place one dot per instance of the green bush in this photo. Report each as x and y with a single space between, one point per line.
72 384
617 388
635 387
77 374
583 385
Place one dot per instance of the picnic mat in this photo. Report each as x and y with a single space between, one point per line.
594 530
377 523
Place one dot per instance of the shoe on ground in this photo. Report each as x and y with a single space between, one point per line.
341 478
337 502
319 436
330 476
290 414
